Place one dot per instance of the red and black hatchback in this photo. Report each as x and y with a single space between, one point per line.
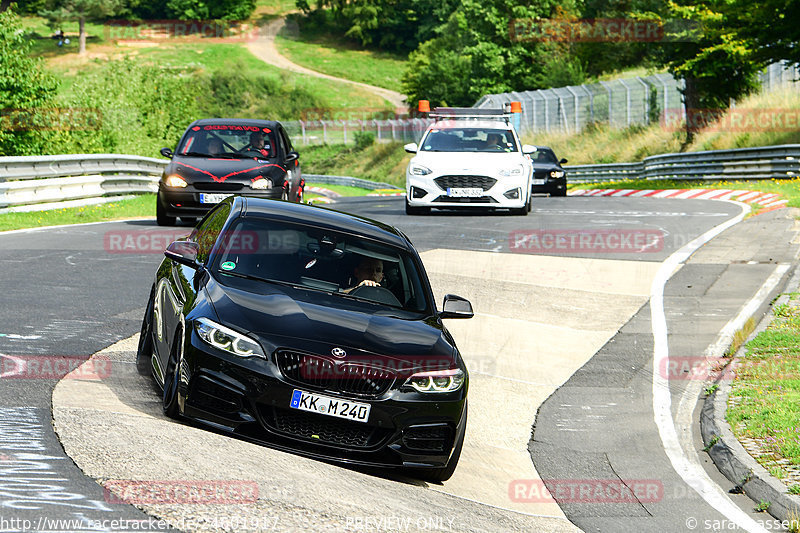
217 158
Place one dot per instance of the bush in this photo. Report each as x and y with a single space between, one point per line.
142 108
364 139
26 93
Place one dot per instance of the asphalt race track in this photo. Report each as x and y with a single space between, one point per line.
564 327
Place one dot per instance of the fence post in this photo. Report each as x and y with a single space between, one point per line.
303 132
575 99
646 99
344 128
610 108
627 101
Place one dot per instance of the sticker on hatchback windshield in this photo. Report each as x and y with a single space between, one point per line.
228 265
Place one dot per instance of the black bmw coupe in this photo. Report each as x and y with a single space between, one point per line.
309 330
217 157
548 174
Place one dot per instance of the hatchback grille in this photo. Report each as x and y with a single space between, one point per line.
483 182
324 429
322 373
214 186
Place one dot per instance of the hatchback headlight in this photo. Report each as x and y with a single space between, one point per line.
261 183
436 381
226 339
556 173
173 180
419 170
514 171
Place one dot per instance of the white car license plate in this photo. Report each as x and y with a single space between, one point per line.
212 198
464 192
538 182
324 405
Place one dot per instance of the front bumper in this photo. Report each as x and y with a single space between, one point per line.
250 398
542 183
185 202
497 192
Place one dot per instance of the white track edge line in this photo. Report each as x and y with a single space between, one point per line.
693 476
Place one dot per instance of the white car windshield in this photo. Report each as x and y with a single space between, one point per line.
469 140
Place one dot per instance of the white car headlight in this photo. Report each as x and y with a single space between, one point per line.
173 180
556 173
261 183
514 171
436 381
226 339
419 170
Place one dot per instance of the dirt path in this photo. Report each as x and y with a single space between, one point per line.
264 48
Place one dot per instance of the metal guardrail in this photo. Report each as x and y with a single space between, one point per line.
36 180
31 180
46 180
770 162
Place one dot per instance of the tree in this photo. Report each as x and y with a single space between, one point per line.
703 49
476 52
769 26
26 90
393 25
82 10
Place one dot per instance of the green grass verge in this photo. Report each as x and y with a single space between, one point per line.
382 162
765 397
336 56
789 189
137 207
344 190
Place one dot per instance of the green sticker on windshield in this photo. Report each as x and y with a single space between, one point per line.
228 265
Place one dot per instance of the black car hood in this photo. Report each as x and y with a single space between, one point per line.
221 170
312 321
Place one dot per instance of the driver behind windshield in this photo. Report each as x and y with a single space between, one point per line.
368 272
257 144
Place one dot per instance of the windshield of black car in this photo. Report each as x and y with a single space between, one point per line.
318 259
544 157
469 140
228 141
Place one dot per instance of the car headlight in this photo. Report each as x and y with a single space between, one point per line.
419 170
261 183
226 339
515 171
436 381
173 180
557 173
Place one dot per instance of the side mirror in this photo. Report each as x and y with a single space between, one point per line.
456 307
166 152
528 148
562 162
291 156
411 148
184 252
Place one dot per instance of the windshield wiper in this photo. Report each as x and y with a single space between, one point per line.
196 154
264 280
